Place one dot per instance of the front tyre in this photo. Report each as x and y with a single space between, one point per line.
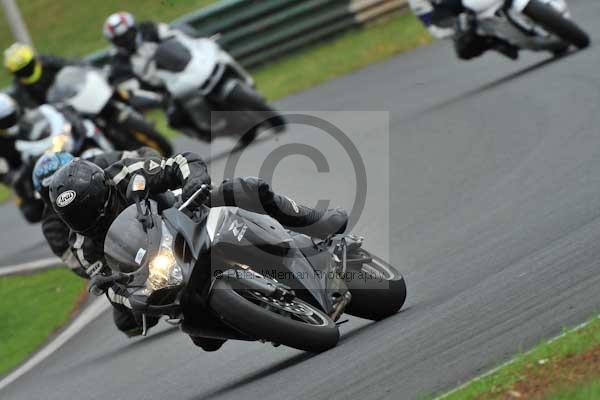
245 98
556 23
295 324
378 289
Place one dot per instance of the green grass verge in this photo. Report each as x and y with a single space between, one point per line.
588 391
32 308
346 53
74 28
5 193
552 354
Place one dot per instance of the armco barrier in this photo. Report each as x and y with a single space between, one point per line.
256 31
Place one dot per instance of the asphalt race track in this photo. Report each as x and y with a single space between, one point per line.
492 212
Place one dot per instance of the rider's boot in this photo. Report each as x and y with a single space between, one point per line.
254 194
302 219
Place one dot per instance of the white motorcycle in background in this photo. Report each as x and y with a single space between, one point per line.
87 90
200 78
538 25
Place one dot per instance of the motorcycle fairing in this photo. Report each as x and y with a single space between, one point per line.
192 232
172 56
85 89
266 247
127 247
205 57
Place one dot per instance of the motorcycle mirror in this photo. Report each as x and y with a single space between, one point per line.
137 189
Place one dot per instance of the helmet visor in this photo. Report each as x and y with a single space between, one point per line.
90 221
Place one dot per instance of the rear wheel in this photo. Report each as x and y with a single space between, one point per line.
556 23
293 323
378 289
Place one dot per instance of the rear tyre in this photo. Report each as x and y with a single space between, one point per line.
378 289
555 23
296 324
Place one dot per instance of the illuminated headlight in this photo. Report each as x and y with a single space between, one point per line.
61 143
164 271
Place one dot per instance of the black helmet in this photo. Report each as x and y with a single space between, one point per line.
82 196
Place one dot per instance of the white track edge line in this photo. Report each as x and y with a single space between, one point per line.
44 263
514 359
88 315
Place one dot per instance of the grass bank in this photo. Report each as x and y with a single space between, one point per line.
560 369
32 308
4 193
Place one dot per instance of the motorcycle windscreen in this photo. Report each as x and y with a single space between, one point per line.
172 56
128 247
85 89
260 242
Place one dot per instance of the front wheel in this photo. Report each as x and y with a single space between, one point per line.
293 323
378 289
554 22
245 98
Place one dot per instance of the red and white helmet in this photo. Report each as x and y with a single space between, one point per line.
118 24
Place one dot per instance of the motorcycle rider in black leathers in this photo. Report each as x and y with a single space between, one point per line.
88 199
57 232
33 73
449 18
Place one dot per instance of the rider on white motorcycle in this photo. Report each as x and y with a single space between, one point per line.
130 40
449 18
196 75
25 136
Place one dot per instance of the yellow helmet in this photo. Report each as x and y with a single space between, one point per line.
20 60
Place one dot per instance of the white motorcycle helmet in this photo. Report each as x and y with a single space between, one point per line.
9 115
121 30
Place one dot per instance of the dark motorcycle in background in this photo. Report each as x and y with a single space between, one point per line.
88 91
227 273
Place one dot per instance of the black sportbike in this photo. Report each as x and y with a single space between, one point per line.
227 273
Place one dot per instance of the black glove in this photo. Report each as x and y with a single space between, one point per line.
191 188
99 284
